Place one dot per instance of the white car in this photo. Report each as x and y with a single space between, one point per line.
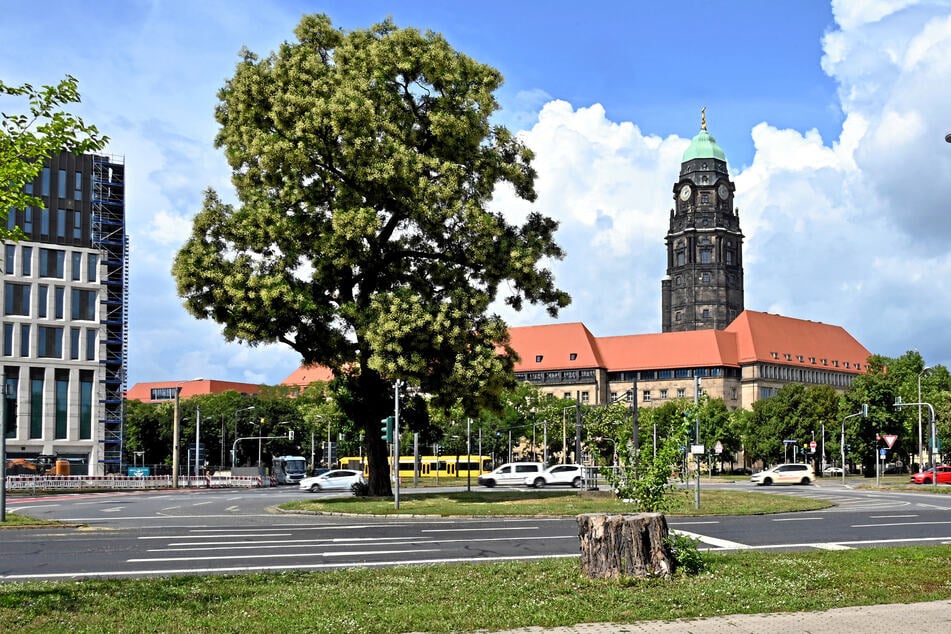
832 471
567 474
333 480
791 473
516 473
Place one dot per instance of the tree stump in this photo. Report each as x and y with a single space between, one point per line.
629 545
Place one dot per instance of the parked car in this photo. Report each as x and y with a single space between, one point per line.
569 474
335 479
512 473
790 473
928 475
832 471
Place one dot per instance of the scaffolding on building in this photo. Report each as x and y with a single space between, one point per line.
109 236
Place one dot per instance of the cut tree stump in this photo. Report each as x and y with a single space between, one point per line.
629 545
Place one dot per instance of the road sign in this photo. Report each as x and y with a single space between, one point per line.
718 448
812 446
890 440
883 451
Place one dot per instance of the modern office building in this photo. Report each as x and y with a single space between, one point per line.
65 325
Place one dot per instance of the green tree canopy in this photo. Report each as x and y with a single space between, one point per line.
28 138
365 163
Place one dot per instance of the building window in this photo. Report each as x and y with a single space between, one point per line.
16 299
8 340
538 358
733 393
45 182
730 256
49 342
681 392
76 258
42 292
646 396
59 293
678 316
51 263
61 396
706 313
567 395
162 394
45 222
36 402
28 221
663 394
26 261
704 197
91 344
787 356
9 259
78 185
74 343
60 223
77 225
706 256
24 340
12 219
85 404
584 397
681 258
92 267
573 356
11 403
705 277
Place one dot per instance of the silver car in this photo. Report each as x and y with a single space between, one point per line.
333 480
512 473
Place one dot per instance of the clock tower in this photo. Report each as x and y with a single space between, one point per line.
703 287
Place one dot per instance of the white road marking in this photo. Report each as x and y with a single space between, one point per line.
713 541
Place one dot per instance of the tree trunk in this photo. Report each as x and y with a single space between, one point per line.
630 545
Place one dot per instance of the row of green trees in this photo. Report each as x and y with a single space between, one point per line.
528 418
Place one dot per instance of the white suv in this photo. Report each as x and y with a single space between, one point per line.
570 474
512 473
785 474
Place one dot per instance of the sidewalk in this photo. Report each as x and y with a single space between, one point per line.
921 618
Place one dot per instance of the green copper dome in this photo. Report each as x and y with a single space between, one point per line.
704 146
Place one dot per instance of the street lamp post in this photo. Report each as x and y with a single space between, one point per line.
234 455
197 441
920 438
177 432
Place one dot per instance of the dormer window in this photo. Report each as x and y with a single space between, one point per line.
812 360
787 356
799 358
538 358
573 356
775 355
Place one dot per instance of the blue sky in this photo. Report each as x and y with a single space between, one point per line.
832 116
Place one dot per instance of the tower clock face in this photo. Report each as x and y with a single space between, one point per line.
685 192
723 191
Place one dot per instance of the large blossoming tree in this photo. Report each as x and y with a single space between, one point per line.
364 163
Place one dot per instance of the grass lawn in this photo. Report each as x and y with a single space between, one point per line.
558 503
464 598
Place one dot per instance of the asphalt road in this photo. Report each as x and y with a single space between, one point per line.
138 534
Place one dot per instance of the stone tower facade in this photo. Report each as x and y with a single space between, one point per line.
703 288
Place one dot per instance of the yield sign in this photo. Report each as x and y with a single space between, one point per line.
890 440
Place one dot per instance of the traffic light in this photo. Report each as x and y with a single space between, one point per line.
290 434
865 410
386 429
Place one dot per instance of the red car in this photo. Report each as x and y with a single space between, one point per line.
927 476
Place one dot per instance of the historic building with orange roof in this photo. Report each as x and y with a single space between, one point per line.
739 355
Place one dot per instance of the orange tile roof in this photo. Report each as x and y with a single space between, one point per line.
143 391
752 337
669 350
551 347
783 340
307 374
